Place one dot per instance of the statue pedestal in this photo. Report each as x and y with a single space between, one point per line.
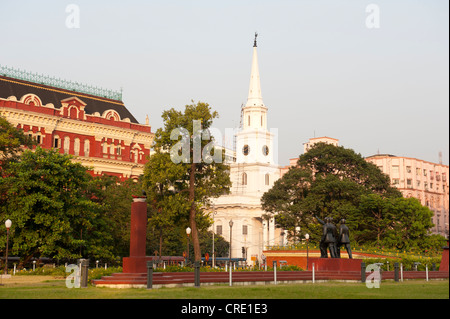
335 264
135 265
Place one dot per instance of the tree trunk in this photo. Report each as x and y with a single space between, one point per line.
192 214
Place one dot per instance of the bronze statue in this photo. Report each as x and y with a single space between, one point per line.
344 239
329 238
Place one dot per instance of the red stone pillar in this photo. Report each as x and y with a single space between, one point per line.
136 263
138 230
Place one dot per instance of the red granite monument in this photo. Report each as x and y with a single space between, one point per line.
136 263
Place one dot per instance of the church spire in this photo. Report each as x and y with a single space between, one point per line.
254 93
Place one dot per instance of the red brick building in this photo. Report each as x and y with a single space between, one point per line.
89 123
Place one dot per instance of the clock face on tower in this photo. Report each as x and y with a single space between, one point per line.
246 150
265 150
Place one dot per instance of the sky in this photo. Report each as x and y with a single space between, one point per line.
373 74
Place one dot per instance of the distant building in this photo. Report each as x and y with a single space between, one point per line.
323 139
423 180
417 178
90 123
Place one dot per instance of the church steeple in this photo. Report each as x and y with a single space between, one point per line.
254 92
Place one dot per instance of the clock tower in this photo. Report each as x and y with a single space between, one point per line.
253 173
255 169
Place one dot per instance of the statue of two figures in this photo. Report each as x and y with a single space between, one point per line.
332 240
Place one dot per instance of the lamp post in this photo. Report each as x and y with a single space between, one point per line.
8 226
307 251
188 232
231 232
213 251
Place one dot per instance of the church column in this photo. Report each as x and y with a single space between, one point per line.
271 232
265 235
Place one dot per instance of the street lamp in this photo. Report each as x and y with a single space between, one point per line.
307 250
8 226
213 231
231 231
188 232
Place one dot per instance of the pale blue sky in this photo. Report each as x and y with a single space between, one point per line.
322 70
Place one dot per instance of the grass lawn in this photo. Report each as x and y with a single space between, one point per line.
30 287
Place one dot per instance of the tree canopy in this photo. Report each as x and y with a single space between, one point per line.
332 181
47 198
186 171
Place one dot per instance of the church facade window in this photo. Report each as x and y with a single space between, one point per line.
244 178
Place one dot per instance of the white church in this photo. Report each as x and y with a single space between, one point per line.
253 172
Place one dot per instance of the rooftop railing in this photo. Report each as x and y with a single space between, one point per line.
59 83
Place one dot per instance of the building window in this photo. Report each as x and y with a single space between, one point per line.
66 144
408 169
244 178
86 147
76 146
244 229
424 172
417 171
395 169
56 142
249 120
219 229
395 181
267 179
118 150
409 183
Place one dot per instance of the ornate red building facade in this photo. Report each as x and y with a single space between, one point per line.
96 129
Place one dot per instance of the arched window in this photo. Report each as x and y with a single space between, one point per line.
66 144
86 147
244 178
267 179
76 146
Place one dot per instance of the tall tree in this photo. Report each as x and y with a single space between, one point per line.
327 181
51 212
195 171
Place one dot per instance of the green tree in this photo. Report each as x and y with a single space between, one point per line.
12 142
193 174
411 222
327 181
115 197
166 207
52 214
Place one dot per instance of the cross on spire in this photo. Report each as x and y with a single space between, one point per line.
254 43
